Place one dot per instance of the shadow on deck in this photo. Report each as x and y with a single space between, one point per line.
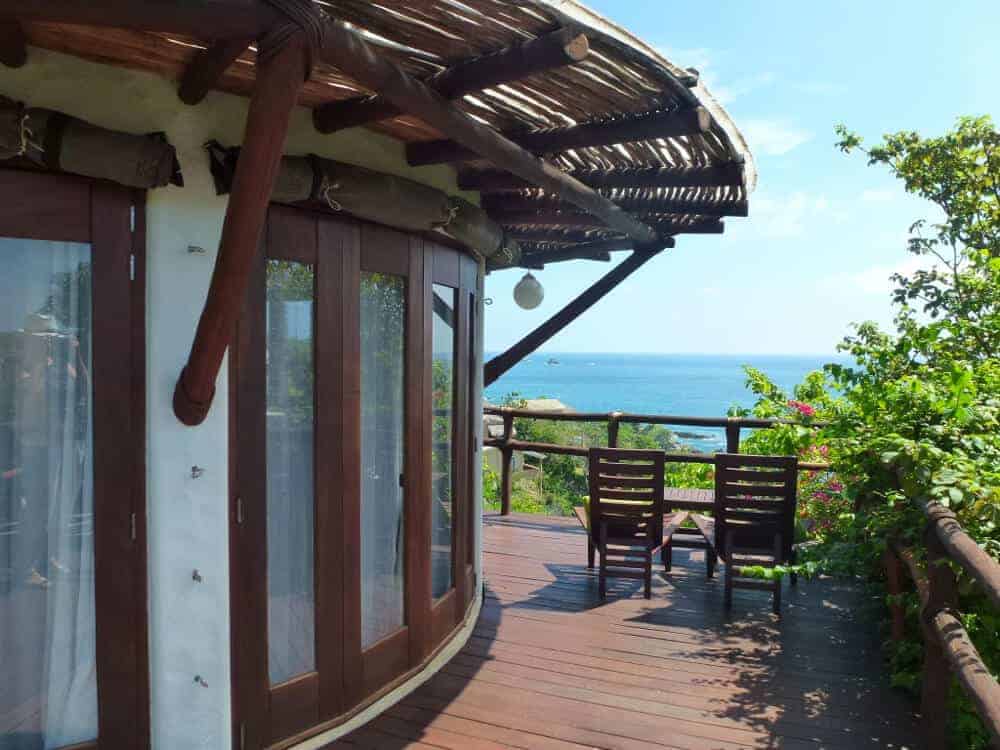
550 666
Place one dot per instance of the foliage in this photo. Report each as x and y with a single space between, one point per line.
920 414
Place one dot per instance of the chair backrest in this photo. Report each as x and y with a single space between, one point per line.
626 491
755 495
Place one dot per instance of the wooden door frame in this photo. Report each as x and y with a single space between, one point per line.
111 219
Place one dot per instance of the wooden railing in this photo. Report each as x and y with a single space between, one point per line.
948 650
507 444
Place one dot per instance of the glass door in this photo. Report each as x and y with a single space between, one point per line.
68 473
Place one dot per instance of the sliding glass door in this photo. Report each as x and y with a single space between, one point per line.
349 439
71 545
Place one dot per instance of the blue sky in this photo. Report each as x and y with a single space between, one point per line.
825 231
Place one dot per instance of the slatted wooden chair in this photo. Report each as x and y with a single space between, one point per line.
754 518
625 513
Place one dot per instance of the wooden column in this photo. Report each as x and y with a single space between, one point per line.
279 80
894 585
614 424
503 362
507 455
732 436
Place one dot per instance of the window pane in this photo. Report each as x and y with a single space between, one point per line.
442 479
291 597
383 319
48 692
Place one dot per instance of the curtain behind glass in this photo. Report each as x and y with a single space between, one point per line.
291 599
48 679
443 398
383 317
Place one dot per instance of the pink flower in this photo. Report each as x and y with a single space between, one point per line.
825 450
802 408
821 496
835 487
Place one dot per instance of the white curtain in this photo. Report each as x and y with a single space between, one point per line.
383 317
48 696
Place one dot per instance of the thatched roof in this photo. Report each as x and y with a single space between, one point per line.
689 168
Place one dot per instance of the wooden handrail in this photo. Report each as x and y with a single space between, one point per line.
508 445
948 650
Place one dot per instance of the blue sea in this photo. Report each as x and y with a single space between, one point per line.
701 385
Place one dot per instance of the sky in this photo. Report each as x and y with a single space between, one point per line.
825 231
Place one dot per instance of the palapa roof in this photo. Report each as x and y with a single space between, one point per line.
676 179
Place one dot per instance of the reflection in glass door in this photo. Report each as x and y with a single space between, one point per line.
383 371
443 405
48 690
290 498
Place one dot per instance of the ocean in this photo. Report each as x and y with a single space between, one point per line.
701 385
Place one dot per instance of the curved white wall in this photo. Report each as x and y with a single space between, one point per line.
188 524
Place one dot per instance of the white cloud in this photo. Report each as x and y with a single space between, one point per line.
878 196
792 215
877 280
773 137
703 60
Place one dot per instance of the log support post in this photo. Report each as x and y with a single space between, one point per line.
530 343
279 80
942 595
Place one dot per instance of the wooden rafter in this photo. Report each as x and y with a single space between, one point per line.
345 49
205 70
561 47
587 299
222 19
572 235
553 140
279 79
499 204
496 180
576 219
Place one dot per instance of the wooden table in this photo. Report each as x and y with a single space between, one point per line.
685 498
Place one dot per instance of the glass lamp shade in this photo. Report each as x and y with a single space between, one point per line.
529 293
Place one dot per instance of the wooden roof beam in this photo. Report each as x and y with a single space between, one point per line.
345 49
218 19
500 204
576 219
564 46
553 140
721 175
563 254
205 70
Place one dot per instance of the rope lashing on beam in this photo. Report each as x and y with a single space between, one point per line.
302 16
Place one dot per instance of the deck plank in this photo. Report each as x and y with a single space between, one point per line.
551 667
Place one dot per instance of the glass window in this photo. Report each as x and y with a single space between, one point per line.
291 597
48 693
442 472
383 320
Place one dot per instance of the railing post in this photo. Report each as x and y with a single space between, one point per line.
733 435
941 595
506 456
613 425
894 584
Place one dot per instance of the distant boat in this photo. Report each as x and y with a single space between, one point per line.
552 362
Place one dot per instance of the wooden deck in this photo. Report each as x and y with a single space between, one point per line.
552 667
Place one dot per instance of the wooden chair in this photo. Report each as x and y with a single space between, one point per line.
625 520
754 518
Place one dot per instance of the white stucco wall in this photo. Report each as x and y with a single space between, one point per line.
188 523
